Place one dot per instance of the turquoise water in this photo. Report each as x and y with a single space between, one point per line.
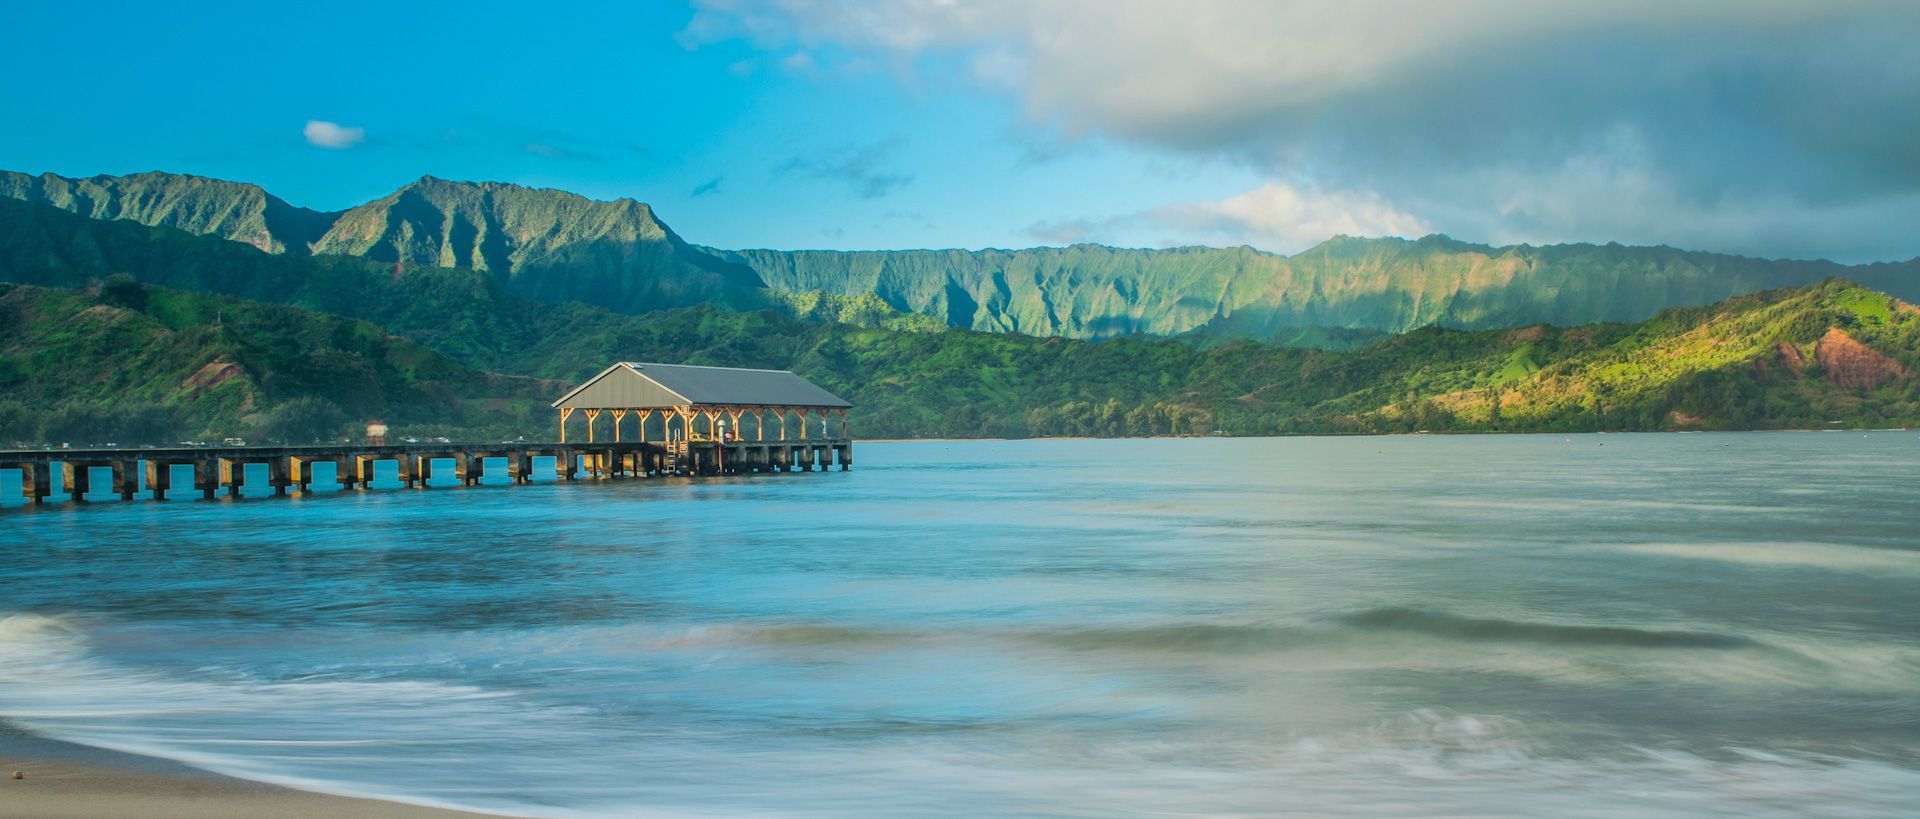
1612 625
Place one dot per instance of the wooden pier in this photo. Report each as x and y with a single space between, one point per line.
675 398
218 470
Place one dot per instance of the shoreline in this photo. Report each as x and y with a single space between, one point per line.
66 780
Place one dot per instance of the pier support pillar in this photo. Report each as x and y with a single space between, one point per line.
206 478
233 476
300 474
278 476
363 467
35 482
159 478
77 478
126 478
520 467
566 465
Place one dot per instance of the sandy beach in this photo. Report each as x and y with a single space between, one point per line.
68 781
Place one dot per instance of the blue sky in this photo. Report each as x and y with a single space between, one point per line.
1770 128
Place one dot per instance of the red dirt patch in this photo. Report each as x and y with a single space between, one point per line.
1791 358
1853 365
212 375
1903 307
1681 419
1534 333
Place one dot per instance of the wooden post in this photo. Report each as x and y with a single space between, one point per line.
843 425
206 477
591 415
564 412
126 478
783 423
617 415
644 415
233 476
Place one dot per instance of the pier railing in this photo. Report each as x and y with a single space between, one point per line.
290 468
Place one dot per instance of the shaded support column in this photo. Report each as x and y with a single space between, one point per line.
843 426
346 472
423 470
566 465
520 466
466 468
642 415
844 452
77 478
206 478
233 476
126 478
279 475
299 474
409 469
564 412
159 475
42 483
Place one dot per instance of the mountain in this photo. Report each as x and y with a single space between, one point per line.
86 346
1344 292
121 361
230 210
543 244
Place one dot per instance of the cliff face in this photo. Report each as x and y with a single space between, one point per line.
1377 285
543 244
555 246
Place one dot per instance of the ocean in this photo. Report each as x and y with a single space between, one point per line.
1558 626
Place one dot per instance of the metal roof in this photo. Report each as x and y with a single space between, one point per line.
721 385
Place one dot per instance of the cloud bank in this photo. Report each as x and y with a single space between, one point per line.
1773 127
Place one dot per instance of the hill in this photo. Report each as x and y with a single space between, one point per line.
125 362
543 244
1346 293
91 343
1343 293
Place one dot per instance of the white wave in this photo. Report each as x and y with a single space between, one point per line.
1833 556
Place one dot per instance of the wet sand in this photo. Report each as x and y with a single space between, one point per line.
68 781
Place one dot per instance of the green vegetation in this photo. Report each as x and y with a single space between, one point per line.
1346 293
1342 294
119 331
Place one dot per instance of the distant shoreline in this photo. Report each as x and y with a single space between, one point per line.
66 780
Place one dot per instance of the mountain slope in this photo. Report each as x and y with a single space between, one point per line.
554 246
122 361
1384 285
113 350
231 210
543 244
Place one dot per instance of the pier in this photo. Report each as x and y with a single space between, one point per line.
677 398
218 471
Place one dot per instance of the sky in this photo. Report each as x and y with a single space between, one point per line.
1761 127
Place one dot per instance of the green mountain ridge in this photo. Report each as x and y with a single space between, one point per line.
85 345
545 244
1347 292
1372 286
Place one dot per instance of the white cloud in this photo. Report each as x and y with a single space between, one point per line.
1464 111
332 136
1275 216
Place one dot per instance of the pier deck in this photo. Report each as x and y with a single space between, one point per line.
290 468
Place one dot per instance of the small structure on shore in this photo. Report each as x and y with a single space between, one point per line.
685 395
